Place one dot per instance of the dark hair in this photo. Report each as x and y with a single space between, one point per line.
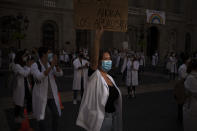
42 51
19 58
101 53
192 65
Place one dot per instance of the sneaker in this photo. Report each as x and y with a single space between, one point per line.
18 119
74 102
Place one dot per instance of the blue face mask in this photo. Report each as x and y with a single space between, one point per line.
50 57
106 65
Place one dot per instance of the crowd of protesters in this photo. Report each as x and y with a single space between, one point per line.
35 88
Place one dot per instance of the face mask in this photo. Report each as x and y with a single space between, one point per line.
106 65
50 57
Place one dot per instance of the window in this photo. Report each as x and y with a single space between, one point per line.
177 6
157 4
49 31
49 3
188 43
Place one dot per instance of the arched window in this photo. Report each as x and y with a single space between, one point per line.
157 4
177 6
188 43
49 32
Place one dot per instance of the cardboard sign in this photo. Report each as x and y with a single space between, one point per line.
112 15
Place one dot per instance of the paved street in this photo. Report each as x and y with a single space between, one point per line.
154 109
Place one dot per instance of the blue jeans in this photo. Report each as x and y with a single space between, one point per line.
108 122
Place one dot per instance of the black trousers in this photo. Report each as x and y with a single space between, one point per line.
18 111
51 110
28 98
180 113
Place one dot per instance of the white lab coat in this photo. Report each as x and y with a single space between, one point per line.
19 89
61 57
92 108
142 60
129 73
168 64
135 73
182 72
118 61
78 74
40 90
153 60
190 106
173 65
124 66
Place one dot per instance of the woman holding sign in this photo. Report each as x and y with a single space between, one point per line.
101 106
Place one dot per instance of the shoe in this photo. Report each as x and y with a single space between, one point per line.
74 102
18 119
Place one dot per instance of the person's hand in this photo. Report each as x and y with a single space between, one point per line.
54 61
99 33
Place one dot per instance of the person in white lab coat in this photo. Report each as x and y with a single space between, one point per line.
21 70
135 76
118 60
101 106
142 62
168 63
45 92
173 66
61 58
190 105
80 76
124 68
129 76
179 89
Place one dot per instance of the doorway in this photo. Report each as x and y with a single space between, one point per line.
152 41
50 34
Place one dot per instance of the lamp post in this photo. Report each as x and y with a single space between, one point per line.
13 28
22 24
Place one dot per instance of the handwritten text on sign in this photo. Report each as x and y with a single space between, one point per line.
112 15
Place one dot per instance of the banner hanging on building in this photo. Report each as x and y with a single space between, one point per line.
112 15
155 17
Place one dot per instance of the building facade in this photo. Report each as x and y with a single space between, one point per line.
50 23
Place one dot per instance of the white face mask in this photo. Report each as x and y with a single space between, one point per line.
50 57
